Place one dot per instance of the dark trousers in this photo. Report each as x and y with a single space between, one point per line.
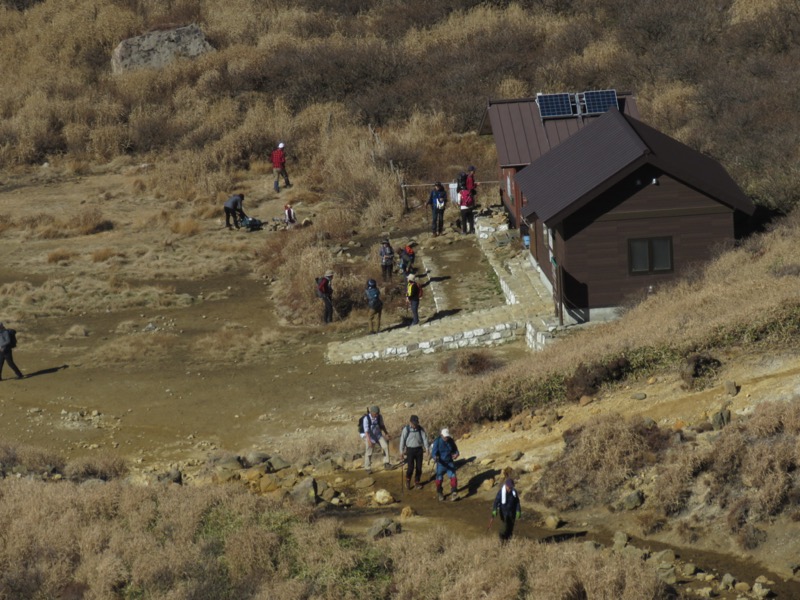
7 356
467 221
414 311
232 213
387 271
507 530
414 460
437 220
327 314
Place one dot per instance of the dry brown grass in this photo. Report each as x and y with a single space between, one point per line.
60 255
103 254
185 227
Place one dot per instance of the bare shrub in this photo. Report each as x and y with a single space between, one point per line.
103 254
473 362
185 227
596 460
89 222
587 379
105 468
60 255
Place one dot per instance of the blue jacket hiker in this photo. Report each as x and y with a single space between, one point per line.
445 452
437 202
507 502
375 304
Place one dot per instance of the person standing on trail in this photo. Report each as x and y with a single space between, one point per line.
278 159
234 209
413 444
471 184
466 203
8 341
289 216
325 292
375 434
437 202
413 294
375 305
507 501
387 260
444 453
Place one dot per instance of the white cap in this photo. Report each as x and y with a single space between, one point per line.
280 145
445 432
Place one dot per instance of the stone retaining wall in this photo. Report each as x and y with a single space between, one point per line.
482 336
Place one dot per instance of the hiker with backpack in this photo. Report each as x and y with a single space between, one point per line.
373 431
437 202
507 502
375 305
444 453
413 444
387 260
289 216
234 209
413 295
467 204
8 341
470 183
407 258
278 159
325 292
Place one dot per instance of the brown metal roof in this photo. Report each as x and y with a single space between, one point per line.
572 174
520 134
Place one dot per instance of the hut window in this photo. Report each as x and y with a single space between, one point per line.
650 255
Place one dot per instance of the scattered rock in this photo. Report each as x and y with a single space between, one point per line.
276 463
666 573
325 467
487 461
759 591
651 381
585 400
488 484
634 553
365 483
408 512
689 569
328 494
553 522
620 540
383 497
254 458
383 527
728 581
633 500
157 49
665 556
639 396
515 456
720 419
706 592
731 388
742 586
305 492
269 483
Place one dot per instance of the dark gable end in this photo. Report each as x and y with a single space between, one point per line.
569 176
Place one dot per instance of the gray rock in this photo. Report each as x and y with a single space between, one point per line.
157 49
515 456
325 467
731 388
276 463
639 396
634 553
365 483
305 492
171 476
665 556
759 591
383 527
251 459
620 540
720 419
553 522
689 569
728 581
329 494
666 573
383 497
633 500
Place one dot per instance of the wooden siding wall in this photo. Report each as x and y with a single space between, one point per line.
594 241
514 202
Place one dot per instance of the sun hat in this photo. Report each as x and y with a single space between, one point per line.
375 410
329 273
445 432
280 145
411 277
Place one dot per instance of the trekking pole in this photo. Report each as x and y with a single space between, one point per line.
491 520
402 487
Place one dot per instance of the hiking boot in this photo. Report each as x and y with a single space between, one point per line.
440 496
408 484
453 497
417 486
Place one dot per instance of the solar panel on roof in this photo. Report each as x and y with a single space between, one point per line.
554 105
600 101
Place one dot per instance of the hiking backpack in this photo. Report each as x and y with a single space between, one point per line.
461 182
361 422
374 299
320 286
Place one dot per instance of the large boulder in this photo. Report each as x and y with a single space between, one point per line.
157 49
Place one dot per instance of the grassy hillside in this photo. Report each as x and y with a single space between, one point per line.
718 76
